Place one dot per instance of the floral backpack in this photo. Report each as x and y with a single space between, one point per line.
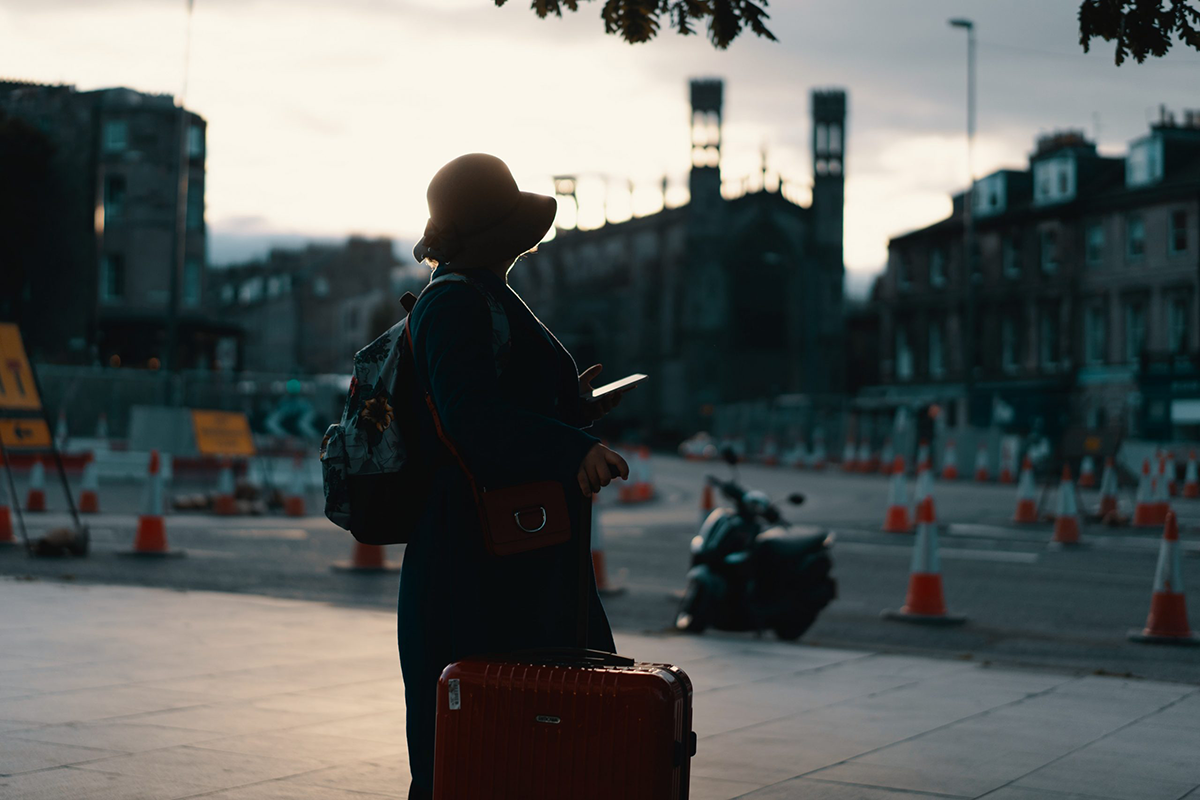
375 480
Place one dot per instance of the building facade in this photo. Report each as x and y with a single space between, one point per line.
90 276
307 311
733 296
1082 310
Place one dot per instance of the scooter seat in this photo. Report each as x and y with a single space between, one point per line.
796 542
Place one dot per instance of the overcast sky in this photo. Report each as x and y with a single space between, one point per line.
327 119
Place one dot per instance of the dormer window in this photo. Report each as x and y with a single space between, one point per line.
1054 180
1144 164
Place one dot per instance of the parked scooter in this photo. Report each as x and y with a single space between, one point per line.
753 570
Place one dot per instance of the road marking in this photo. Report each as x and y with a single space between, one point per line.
262 533
951 553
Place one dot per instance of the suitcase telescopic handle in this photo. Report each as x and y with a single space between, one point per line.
572 656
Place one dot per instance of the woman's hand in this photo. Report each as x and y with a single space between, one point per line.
595 409
600 467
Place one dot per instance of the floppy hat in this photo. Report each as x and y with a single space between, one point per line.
477 214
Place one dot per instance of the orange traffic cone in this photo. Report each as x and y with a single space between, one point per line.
925 602
35 498
366 558
886 457
770 452
924 488
151 536
797 457
224 501
1144 513
603 585
60 431
1007 463
923 452
981 464
1026 500
864 457
819 456
640 486
1167 622
1162 503
706 502
849 460
1191 484
1108 488
950 461
89 490
1087 473
293 503
1066 521
896 519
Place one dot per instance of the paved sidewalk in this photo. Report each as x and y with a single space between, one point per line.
126 693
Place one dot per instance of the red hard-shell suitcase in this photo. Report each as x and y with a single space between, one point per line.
515 728
571 724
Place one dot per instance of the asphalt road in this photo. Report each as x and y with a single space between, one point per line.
1026 603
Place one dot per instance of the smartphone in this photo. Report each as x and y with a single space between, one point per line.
617 386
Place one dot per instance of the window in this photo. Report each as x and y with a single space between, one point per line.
1179 232
321 286
112 277
114 197
116 135
1135 236
937 362
1095 334
902 276
195 209
1135 330
1093 243
195 142
1049 251
274 286
835 138
227 294
1145 162
1177 324
251 291
1049 338
904 358
937 267
1012 257
191 283
1010 356
1053 180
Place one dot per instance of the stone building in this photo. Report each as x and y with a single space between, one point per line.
91 249
733 296
1084 309
307 310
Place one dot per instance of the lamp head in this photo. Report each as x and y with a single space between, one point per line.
962 23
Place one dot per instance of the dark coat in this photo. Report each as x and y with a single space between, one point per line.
522 426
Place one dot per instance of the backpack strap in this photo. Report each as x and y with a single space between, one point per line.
501 330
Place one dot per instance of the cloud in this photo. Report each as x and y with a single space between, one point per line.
331 119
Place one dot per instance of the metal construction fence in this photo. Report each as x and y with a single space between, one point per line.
276 404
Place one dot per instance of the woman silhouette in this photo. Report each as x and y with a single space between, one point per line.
515 410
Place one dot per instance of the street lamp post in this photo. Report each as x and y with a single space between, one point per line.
170 361
968 334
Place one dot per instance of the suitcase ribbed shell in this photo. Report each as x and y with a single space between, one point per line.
519 731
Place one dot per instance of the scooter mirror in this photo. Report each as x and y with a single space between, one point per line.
795 498
730 456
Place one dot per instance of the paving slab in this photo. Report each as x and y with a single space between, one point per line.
150 694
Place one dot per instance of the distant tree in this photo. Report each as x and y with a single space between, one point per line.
1140 28
638 21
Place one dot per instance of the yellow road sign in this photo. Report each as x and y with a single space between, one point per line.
17 389
25 434
222 433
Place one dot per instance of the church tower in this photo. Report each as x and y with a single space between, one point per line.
829 174
704 180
